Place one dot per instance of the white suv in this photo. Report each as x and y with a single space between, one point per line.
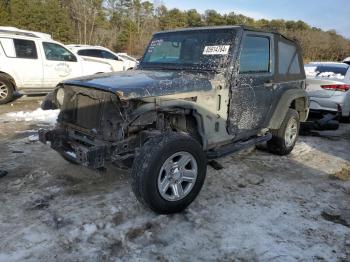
119 61
33 63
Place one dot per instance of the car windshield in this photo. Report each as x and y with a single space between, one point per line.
194 49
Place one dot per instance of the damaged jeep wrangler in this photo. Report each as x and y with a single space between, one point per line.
197 94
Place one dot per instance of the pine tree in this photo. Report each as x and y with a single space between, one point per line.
44 16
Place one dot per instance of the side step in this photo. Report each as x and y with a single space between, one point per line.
237 146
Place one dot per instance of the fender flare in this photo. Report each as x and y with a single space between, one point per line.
301 104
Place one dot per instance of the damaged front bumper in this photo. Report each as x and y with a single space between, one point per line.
75 148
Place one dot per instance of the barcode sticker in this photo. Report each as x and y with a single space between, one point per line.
216 50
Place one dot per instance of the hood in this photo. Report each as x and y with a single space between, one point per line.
144 83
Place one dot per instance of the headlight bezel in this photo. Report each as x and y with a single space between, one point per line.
60 94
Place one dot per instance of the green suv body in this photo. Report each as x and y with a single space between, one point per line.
197 94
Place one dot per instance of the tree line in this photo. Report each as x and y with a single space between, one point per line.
127 25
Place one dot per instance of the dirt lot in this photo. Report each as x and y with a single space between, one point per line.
260 207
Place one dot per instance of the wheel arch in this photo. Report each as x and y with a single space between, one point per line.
192 117
296 99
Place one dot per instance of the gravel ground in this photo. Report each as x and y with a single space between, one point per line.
260 207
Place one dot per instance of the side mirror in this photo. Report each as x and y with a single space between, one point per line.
73 58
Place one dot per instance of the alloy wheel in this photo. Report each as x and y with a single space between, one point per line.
291 132
177 176
3 91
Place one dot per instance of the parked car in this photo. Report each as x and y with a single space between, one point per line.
126 56
347 60
197 94
33 63
119 61
328 87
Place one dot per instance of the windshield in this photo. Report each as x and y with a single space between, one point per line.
194 49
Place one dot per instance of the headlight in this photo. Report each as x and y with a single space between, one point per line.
60 96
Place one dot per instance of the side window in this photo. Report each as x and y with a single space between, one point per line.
55 52
295 66
90 52
82 52
25 49
255 55
8 47
108 55
288 60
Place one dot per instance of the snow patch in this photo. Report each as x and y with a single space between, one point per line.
26 131
311 71
330 75
33 138
89 229
38 115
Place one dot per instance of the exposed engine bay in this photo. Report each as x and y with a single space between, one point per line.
95 126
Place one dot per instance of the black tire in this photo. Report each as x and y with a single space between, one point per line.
279 145
147 167
6 90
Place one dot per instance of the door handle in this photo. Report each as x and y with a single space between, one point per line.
269 83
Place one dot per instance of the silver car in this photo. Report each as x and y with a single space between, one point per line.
328 87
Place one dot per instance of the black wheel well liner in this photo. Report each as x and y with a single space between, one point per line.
196 119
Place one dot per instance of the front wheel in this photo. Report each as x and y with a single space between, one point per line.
284 139
169 172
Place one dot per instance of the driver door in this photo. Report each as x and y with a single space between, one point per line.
252 89
59 64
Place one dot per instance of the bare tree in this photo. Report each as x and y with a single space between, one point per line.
84 14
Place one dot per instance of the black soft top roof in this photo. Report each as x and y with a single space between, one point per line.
242 27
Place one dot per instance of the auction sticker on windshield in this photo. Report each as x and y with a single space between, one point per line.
216 50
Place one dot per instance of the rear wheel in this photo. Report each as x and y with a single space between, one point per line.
284 139
6 90
168 172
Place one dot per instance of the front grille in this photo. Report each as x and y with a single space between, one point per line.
82 107
88 112
94 112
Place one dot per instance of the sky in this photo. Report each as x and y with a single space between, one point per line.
324 14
